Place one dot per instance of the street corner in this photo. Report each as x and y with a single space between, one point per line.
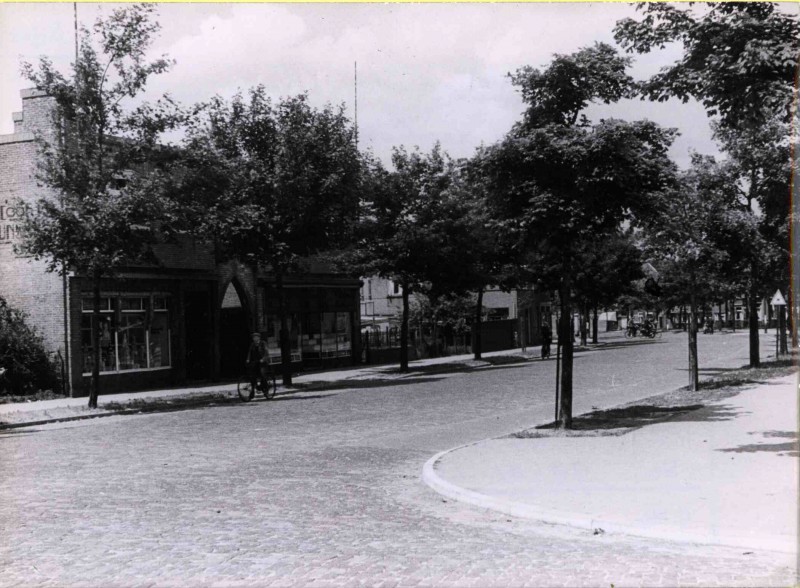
670 480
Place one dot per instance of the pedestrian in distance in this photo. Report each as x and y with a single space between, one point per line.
709 329
257 362
547 339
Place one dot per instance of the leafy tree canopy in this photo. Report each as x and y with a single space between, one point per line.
739 58
102 164
558 94
272 182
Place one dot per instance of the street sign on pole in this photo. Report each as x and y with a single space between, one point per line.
780 332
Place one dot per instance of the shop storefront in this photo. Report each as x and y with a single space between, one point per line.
186 319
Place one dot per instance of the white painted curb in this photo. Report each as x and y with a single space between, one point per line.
781 543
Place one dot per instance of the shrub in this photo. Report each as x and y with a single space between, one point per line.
26 366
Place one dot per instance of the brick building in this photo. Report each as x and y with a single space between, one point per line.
185 319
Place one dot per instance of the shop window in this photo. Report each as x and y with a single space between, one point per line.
132 341
134 333
159 349
344 339
271 335
497 314
336 334
311 338
108 354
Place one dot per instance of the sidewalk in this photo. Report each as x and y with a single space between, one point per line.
724 474
20 414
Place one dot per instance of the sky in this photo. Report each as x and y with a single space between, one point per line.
426 72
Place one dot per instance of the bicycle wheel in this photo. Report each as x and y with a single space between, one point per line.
268 386
245 389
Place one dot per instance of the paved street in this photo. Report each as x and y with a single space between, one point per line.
323 488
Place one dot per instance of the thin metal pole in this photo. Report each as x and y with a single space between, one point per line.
558 368
75 13
355 91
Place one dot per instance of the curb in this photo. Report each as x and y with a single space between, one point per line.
136 410
6 426
584 521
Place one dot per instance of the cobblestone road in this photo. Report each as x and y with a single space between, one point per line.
323 489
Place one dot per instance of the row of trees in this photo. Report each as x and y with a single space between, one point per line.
562 202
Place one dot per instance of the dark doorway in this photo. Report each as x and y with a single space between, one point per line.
234 334
197 311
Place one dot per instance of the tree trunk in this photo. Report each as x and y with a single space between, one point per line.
565 291
752 303
755 360
594 325
694 377
784 348
95 389
404 331
476 330
733 315
584 314
283 338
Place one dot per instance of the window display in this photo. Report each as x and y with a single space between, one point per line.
134 333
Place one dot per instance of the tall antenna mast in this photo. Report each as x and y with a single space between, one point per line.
75 11
355 84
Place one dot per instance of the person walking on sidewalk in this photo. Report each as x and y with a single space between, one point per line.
257 362
547 339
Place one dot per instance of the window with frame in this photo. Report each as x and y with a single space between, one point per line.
395 289
134 333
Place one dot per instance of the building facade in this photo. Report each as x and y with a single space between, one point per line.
186 319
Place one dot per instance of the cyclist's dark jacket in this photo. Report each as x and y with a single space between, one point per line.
257 352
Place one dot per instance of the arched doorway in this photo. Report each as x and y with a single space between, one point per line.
234 333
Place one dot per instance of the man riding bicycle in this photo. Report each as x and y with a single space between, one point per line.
257 362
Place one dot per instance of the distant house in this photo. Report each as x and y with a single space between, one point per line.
511 319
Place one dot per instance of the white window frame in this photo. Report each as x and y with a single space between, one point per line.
118 371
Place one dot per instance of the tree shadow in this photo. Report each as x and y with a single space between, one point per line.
625 343
789 448
712 413
12 432
359 384
627 418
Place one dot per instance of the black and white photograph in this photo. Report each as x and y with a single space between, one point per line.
399 294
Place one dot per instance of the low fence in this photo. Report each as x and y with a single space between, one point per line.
384 346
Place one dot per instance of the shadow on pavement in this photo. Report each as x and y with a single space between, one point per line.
17 432
626 417
626 343
713 412
790 448
365 383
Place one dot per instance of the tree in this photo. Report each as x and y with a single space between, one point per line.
271 185
569 182
607 270
488 248
405 224
24 364
697 241
107 204
740 61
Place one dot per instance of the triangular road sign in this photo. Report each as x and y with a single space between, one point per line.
777 299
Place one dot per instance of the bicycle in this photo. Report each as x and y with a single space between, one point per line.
265 385
650 331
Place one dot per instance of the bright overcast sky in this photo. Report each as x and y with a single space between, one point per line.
426 72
